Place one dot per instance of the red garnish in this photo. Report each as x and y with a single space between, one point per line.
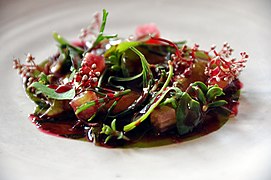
182 65
63 88
90 71
146 32
79 43
221 70
26 70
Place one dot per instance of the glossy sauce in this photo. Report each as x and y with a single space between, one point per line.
70 127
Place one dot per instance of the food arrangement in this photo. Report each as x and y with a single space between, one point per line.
118 92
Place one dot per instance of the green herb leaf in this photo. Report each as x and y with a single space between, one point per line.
63 42
101 35
112 132
113 125
198 94
43 78
156 100
180 43
188 114
217 103
50 93
214 92
38 101
147 73
202 86
122 47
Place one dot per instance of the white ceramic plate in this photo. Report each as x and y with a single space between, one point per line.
239 150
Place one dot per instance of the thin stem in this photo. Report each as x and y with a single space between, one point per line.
155 102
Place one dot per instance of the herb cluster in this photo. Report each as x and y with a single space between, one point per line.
114 87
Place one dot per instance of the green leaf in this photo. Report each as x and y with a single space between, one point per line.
146 71
112 132
202 86
101 35
214 92
75 57
113 125
188 114
124 79
50 93
217 103
55 109
71 76
201 96
180 43
40 102
122 47
202 55
87 105
107 139
197 94
43 78
63 42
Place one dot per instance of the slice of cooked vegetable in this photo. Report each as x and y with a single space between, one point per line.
163 118
82 98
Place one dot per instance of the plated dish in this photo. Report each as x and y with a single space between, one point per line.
240 149
118 91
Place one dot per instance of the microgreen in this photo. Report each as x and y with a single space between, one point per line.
101 35
196 102
111 131
50 93
188 114
117 53
154 102
147 73
106 67
207 96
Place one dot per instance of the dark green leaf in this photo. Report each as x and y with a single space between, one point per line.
75 58
214 92
188 114
41 103
198 94
217 103
50 93
202 86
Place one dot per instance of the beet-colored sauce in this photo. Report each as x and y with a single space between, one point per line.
70 127
230 90
60 127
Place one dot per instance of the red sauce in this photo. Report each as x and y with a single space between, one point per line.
61 127
70 127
